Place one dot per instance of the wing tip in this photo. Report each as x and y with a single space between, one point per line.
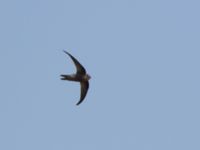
69 54
77 104
65 51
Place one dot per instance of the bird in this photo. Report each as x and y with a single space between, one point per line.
80 76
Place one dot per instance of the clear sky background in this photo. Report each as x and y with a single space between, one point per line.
144 59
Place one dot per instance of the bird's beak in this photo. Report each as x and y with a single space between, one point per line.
89 77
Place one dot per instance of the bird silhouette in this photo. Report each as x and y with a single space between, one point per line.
80 76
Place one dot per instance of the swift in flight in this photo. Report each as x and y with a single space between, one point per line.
80 76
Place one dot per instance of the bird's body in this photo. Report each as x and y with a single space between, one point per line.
80 76
75 77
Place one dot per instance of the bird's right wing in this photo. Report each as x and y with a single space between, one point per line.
80 69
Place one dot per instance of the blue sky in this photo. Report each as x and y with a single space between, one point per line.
143 57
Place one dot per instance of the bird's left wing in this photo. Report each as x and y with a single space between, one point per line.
84 89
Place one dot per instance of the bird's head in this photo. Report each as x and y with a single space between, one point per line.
87 77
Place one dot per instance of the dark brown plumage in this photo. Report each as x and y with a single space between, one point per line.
80 76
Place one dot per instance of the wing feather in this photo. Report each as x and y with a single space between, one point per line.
79 68
84 89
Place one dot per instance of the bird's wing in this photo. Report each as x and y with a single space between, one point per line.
84 89
79 68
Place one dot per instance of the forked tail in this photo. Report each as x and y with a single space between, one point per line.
66 77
